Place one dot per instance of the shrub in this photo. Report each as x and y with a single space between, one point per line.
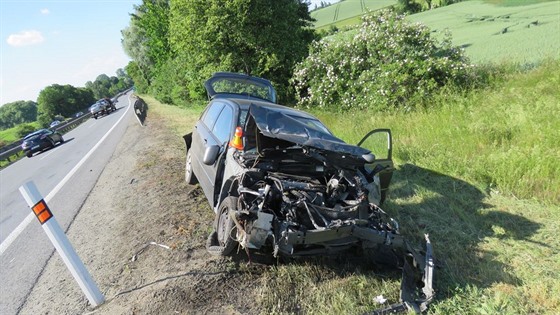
386 62
24 129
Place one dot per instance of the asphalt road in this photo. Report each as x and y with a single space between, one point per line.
64 176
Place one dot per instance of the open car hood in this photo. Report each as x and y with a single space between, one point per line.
284 126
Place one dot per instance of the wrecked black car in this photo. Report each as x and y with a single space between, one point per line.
281 183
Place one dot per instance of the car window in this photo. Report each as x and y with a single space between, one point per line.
222 128
212 114
243 117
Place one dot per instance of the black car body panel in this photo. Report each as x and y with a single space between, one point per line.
281 183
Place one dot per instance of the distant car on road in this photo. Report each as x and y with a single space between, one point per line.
102 107
78 114
40 140
54 123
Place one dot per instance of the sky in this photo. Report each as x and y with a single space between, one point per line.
61 42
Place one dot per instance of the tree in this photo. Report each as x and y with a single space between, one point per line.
15 113
62 100
258 37
152 17
145 40
134 46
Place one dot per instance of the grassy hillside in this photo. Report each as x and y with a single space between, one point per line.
503 32
347 12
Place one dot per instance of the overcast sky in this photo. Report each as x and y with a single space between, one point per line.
45 42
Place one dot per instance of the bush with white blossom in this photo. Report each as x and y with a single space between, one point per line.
386 62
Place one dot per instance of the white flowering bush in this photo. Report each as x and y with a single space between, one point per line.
386 62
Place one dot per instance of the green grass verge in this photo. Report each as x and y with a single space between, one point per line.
480 174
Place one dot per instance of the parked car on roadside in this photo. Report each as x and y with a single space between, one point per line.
102 107
281 183
40 140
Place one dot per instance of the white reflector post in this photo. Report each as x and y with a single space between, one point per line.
61 243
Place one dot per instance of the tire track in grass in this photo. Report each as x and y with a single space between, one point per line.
335 18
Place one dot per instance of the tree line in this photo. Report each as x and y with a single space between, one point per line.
176 45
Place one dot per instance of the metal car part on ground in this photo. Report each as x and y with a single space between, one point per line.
287 187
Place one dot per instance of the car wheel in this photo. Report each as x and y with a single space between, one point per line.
51 143
190 178
221 241
29 154
61 140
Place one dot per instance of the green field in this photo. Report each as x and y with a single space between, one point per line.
346 12
522 34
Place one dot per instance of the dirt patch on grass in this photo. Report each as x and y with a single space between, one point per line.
143 240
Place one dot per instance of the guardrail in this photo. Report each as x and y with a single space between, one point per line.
12 152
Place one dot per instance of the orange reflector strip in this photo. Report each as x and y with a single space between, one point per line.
38 208
42 211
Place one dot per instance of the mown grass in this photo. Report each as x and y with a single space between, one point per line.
480 174
522 32
345 12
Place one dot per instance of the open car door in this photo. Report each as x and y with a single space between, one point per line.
380 143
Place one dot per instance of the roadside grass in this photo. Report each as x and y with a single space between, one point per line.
522 32
479 173
179 120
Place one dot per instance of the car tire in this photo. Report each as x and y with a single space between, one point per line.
190 178
61 140
52 143
29 154
221 241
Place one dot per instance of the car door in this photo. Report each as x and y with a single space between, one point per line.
380 143
202 138
222 133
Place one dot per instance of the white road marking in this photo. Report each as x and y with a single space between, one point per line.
19 229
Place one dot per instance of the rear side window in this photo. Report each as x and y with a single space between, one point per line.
212 114
223 125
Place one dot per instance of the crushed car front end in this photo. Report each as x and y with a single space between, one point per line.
299 191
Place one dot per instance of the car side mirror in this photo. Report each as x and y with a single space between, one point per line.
211 154
369 158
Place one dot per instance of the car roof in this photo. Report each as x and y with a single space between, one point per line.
35 133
